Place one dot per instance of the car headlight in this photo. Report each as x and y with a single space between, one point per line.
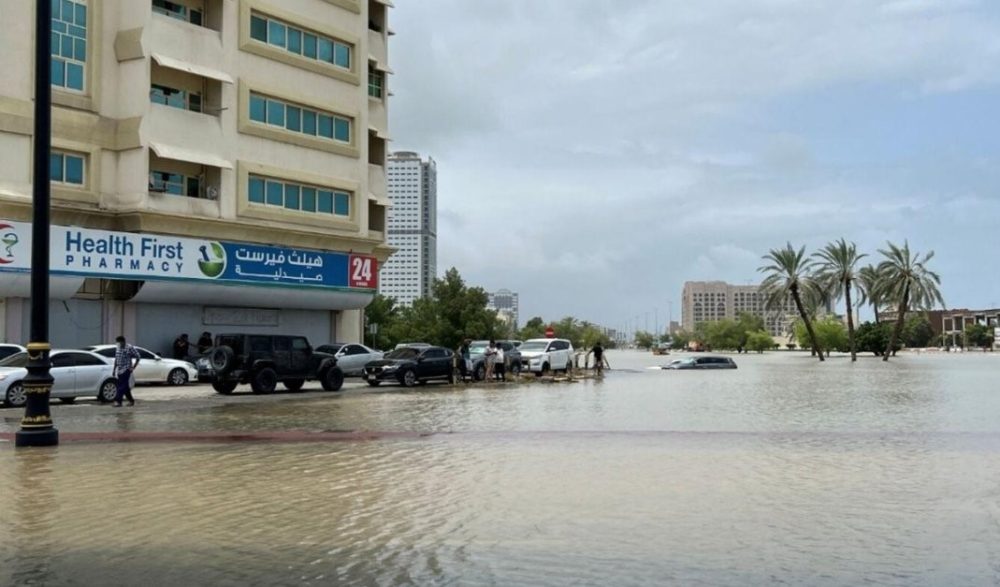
390 367
536 359
204 363
3 376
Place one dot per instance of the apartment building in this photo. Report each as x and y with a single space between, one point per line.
505 302
711 301
216 165
412 226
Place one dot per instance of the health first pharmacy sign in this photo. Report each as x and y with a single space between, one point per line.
127 255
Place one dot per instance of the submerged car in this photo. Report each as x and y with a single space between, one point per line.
152 367
411 365
702 363
74 374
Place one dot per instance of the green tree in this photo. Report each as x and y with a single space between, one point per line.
870 289
461 311
759 341
788 275
534 328
830 331
908 283
918 332
872 337
644 340
724 335
383 314
680 340
979 335
836 272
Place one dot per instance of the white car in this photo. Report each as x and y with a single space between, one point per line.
542 355
74 374
152 367
351 358
7 350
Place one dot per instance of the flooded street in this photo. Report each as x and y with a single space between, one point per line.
783 471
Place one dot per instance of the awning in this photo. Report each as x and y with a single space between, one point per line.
18 285
379 66
387 3
379 133
201 70
380 200
179 154
251 296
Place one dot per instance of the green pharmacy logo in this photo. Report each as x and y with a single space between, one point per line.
213 260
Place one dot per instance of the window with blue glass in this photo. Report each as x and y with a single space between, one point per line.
69 44
299 119
178 184
66 168
278 193
298 41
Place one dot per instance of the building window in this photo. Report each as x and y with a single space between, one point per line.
183 99
376 81
69 43
300 42
178 11
67 168
277 193
165 182
299 119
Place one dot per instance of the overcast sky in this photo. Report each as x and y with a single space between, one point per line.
595 154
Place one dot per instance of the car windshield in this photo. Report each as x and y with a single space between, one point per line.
533 345
403 353
330 348
15 360
478 348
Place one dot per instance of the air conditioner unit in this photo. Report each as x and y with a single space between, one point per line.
212 192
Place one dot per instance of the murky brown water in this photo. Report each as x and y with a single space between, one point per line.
784 471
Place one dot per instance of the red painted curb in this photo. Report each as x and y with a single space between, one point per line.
226 437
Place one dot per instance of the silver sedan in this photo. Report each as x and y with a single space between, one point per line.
74 373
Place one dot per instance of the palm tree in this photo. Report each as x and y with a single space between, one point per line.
836 269
869 281
788 275
908 283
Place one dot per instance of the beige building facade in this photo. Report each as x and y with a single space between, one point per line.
711 301
249 136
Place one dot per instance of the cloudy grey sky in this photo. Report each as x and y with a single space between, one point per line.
595 154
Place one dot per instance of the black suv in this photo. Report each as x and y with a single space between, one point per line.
262 360
411 365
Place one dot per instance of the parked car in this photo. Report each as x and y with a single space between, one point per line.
264 360
477 356
351 357
543 355
74 374
152 367
7 350
702 363
411 365
411 344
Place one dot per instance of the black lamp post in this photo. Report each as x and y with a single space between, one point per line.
36 425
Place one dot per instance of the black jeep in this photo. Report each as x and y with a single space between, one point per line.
262 360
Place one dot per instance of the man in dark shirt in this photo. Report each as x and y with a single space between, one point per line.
204 343
181 347
598 352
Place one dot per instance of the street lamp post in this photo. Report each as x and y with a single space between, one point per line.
36 425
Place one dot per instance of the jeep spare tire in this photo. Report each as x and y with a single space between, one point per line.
222 359
332 379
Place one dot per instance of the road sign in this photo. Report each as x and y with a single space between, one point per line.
550 332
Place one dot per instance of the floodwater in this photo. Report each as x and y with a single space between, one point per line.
785 471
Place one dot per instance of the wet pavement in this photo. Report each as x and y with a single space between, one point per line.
783 471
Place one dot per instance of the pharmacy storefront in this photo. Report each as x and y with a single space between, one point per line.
153 287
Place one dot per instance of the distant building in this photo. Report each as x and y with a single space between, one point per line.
412 228
711 301
505 303
951 323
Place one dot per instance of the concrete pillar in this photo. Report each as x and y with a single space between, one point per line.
129 318
113 320
13 321
351 325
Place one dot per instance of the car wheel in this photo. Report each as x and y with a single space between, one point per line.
409 378
177 377
109 389
264 381
224 387
374 383
293 384
332 379
67 400
480 373
16 396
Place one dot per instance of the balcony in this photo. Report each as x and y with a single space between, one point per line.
183 41
378 47
377 182
179 185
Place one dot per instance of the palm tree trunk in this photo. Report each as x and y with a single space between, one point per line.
850 320
900 322
878 319
817 351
